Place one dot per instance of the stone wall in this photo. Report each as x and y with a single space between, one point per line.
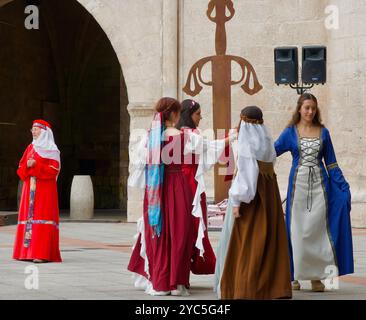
346 96
255 30
258 27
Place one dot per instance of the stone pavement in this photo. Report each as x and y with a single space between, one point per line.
95 260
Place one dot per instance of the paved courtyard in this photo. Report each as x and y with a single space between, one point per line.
95 258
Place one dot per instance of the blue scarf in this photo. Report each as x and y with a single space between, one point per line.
155 175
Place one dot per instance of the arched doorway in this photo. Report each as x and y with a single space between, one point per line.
67 72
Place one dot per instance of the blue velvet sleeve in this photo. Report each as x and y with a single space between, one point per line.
339 201
282 144
338 183
334 172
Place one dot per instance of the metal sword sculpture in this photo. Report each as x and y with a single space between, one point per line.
221 79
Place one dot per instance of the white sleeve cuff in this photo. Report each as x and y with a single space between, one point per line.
235 203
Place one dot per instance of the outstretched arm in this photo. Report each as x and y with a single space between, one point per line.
282 144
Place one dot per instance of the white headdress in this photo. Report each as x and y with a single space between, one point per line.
45 145
254 143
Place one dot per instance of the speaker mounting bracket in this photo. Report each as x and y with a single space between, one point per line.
301 89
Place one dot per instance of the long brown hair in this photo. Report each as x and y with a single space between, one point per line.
317 120
189 107
168 105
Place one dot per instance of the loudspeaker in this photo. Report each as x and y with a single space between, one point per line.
286 65
314 60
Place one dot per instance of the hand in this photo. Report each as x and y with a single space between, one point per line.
236 212
233 130
31 163
233 134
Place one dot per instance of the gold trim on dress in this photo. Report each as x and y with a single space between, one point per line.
332 165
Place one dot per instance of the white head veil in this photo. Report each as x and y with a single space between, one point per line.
254 143
45 145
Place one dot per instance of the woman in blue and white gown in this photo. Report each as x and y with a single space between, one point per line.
318 200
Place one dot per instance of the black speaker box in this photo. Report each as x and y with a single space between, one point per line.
314 60
286 65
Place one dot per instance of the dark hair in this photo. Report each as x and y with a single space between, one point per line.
189 107
317 120
167 106
251 114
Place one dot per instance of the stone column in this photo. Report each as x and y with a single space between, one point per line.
170 48
141 113
140 119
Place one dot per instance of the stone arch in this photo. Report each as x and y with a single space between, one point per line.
87 156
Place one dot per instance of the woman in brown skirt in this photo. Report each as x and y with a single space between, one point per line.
255 262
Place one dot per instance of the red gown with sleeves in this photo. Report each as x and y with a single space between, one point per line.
37 234
169 255
205 264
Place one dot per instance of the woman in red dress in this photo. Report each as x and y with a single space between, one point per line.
189 121
163 251
37 236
